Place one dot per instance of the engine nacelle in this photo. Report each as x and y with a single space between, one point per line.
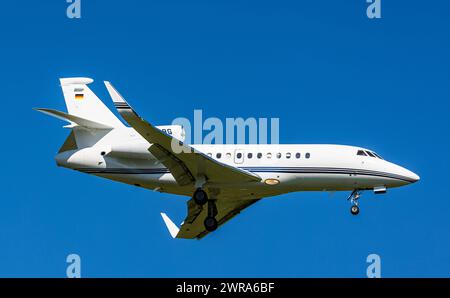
176 131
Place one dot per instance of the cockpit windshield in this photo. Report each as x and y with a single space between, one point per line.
361 152
374 153
368 153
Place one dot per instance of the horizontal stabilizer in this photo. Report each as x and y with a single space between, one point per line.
173 229
74 120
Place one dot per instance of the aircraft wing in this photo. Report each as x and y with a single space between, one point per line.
193 227
184 162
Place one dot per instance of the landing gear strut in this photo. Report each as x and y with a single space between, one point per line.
211 221
353 198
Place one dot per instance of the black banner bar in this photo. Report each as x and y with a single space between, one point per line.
227 286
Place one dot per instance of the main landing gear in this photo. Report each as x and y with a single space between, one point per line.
201 198
353 198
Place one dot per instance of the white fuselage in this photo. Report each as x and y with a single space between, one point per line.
122 155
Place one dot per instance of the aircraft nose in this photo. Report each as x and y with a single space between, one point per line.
412 177
406 175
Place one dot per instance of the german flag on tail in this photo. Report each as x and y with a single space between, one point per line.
79 96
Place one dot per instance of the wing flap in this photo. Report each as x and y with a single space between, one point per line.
181 174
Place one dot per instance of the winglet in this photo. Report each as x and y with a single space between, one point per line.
173 229
118 99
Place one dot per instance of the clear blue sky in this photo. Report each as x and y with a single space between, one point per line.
328 72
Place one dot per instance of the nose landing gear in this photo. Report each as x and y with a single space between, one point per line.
353 198
354 210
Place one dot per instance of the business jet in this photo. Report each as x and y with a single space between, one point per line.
220 180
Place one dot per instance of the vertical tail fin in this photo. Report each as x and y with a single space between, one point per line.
82 102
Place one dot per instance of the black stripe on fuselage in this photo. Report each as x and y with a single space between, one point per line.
315 170
293 170
123 171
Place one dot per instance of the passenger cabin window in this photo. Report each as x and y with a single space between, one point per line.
362 153
219 155
259 155
297 155
249 155
278 155
307 155
239 155
269 155
288 155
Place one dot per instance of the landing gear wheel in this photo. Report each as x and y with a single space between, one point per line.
210 224
200 197
354 210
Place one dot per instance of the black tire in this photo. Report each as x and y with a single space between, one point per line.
200 197
210 224
354 210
